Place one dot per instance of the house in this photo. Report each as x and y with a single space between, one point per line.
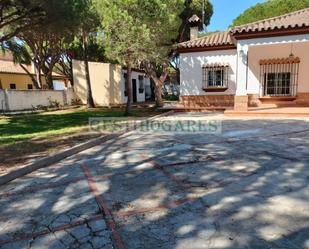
108 83
14 77
264 63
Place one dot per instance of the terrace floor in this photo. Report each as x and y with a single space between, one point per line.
244 187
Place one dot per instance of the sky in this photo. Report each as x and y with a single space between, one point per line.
225 11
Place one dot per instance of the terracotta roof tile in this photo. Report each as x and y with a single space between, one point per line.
297 19
7 66
216 39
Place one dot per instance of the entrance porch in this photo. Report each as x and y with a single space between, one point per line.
274 78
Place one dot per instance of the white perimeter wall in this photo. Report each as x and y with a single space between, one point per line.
17 100
191 70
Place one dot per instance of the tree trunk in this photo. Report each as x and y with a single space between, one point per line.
159 82
158 93
129 89
49 80
90 101
158 87
38 75
33 79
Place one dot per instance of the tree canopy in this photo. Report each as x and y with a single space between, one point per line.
268 9
138 31
18 15
192 7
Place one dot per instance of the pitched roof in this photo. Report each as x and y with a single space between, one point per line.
292 21
9 67
297 19
215 39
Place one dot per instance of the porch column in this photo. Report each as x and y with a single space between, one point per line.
241 97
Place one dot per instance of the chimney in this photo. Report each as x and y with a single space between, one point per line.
194 22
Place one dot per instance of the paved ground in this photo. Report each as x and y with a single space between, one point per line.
245 188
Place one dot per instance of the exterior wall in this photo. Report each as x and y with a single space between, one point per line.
21 81
17 100
206 101
141 97
247 77
191 71
105 83
256 53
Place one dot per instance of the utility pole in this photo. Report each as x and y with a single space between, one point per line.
203 16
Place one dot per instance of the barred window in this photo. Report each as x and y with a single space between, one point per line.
279 77
215 76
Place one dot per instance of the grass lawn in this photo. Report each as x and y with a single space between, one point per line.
29 136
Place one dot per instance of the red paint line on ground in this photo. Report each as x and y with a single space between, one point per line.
103 205
170 205
40 187
53 230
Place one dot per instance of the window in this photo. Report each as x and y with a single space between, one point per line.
279 77
215 77
141 83
30 86
125 84
13 86
278 84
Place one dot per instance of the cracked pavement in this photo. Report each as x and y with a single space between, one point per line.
244 188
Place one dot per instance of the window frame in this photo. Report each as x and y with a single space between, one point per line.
215 78
279 77
15 87
278 84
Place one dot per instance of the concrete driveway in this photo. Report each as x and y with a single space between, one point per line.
244 188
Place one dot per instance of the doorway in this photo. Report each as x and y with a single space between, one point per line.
134 88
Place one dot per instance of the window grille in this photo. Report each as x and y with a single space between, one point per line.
215 76
279 77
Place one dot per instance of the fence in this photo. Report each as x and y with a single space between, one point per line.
19 100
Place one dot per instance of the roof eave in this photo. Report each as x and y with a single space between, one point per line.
207 48
270 33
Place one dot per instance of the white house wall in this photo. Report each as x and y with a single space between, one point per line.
247 78
191 70
256 53
141 97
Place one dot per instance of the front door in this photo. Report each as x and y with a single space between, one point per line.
134 88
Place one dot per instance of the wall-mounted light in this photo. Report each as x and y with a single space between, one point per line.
291 56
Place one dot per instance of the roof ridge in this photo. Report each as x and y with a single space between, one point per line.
271 18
